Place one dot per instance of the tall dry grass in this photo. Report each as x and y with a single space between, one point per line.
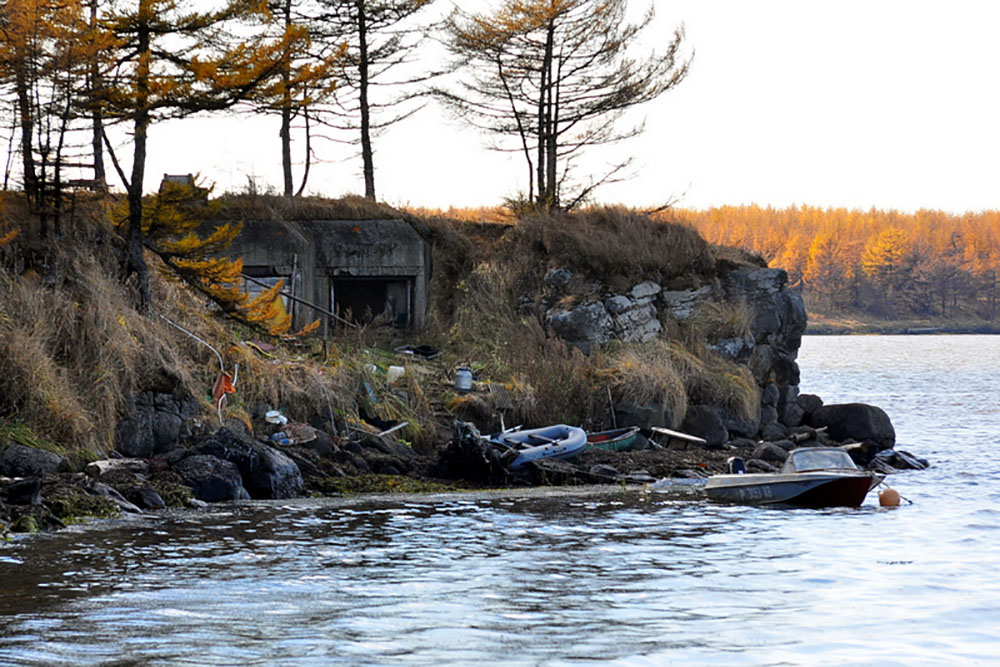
617 245
74 350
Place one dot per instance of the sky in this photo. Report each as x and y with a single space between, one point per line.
891 104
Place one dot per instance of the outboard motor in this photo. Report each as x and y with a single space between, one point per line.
736 465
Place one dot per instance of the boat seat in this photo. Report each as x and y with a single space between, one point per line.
736 465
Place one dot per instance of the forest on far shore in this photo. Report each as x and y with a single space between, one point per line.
927 265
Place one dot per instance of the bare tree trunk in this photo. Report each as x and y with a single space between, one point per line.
135 263
366 140
30 175
286 113
97 120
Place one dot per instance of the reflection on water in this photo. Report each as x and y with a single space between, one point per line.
556 576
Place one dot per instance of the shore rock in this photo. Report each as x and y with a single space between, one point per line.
704 421
212 479
23 492
265 471
20 461
155 423
855 421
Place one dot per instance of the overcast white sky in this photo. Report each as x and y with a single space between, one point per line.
855 103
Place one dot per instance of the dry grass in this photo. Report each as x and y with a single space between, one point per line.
606 243
74 351
72 347
715 321
283 209
647 375
493 215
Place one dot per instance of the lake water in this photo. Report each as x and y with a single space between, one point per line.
562 577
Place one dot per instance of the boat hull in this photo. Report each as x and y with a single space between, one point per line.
552 442
819 489
617 440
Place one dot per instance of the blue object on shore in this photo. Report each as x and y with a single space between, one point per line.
550 442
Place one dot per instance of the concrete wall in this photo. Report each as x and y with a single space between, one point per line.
362 253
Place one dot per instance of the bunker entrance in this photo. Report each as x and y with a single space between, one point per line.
372 300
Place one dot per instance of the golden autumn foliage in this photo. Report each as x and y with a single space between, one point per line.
173 224
889 263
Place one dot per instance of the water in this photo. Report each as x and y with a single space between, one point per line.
562 577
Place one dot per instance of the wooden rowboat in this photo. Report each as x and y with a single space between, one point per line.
615 440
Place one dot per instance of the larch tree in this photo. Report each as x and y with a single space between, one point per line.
306 79
168 62
377 72
43 45
552 78
824 274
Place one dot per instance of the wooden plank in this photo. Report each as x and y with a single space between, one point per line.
678 435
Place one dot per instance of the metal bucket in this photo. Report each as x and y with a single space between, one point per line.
463 379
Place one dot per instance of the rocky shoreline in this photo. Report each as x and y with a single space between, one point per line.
166 454
37 492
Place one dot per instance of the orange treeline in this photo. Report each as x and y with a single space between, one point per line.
887 263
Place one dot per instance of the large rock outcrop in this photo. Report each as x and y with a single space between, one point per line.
855 421
154 424
265 471
769 350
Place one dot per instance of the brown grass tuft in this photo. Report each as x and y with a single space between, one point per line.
606 242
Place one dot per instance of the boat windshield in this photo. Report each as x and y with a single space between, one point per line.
817 458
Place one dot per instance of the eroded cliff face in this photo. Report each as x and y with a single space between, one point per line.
768 346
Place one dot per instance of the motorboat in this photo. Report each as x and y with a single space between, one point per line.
615 440
550 442
810 477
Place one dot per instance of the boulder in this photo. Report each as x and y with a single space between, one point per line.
787 394
266 472
618 304
740 426
148 498
21 461
769 452
585 327
558 277
773 431
99 489
855 421
705 422
768 415
638 324
211 479
862 453
901 460
769 396
736 349
643 416
23 492
645 291
809 403
155 422
790 414
681 304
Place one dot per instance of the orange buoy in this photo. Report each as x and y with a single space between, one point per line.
888 498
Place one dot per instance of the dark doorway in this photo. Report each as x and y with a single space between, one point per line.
365 300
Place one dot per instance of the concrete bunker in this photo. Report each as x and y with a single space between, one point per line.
363 271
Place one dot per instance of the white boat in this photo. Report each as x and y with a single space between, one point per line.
810 477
